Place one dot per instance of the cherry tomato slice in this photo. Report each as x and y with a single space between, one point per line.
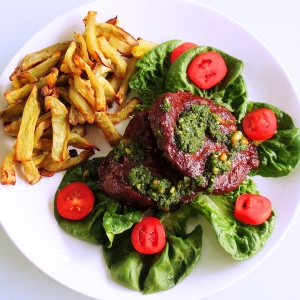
260 124
252 209
207 69
75 201
148 236
180 49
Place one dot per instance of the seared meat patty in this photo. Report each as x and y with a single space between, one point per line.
113 175
193 164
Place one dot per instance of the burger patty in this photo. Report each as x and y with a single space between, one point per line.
193 164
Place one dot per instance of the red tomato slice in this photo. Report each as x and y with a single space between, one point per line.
260 124
252 209
148 236
75 201
180 49
207 69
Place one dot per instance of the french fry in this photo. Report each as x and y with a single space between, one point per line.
83 51
91 39
15 95
25 138
107 29
60 126
80 142
12 128
120 65
124 86
7 168
100 102
12 111
40 130
107 127
80 103
34 58
32 174
79 129
75 161
85 89
45 67
69 58
126 111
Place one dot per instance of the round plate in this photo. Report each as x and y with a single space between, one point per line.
26 212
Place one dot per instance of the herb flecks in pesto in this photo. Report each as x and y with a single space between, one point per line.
133 150
166 105
161 190
192 125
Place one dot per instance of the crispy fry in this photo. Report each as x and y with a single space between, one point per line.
25 138
79 142
91 39
12 128
75 161
45 67
106 29
142 48
100 101
85 89
80 103
119 64
121 94
32 174
48 166
12 111
83 51
7 168
15 95
126 111
61 128
40 130
107 127
34 58
69 58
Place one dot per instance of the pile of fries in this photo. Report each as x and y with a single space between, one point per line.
58 90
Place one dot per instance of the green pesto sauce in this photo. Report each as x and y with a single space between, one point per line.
166 105
193 124
161 190
132 150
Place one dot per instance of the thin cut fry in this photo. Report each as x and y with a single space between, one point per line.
121 95
80 142
32 174
34 58
91 39
126 111
80 103
25 138
69 58
85 89
107 127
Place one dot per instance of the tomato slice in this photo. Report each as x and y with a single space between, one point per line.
180 49
207 69
260 124
75 201
148 236
252 209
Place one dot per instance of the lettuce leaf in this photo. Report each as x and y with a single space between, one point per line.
240 240
279 155
152 69
161 271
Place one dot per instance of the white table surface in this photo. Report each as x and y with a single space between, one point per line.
277 24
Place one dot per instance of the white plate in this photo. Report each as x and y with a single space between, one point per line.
26 212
